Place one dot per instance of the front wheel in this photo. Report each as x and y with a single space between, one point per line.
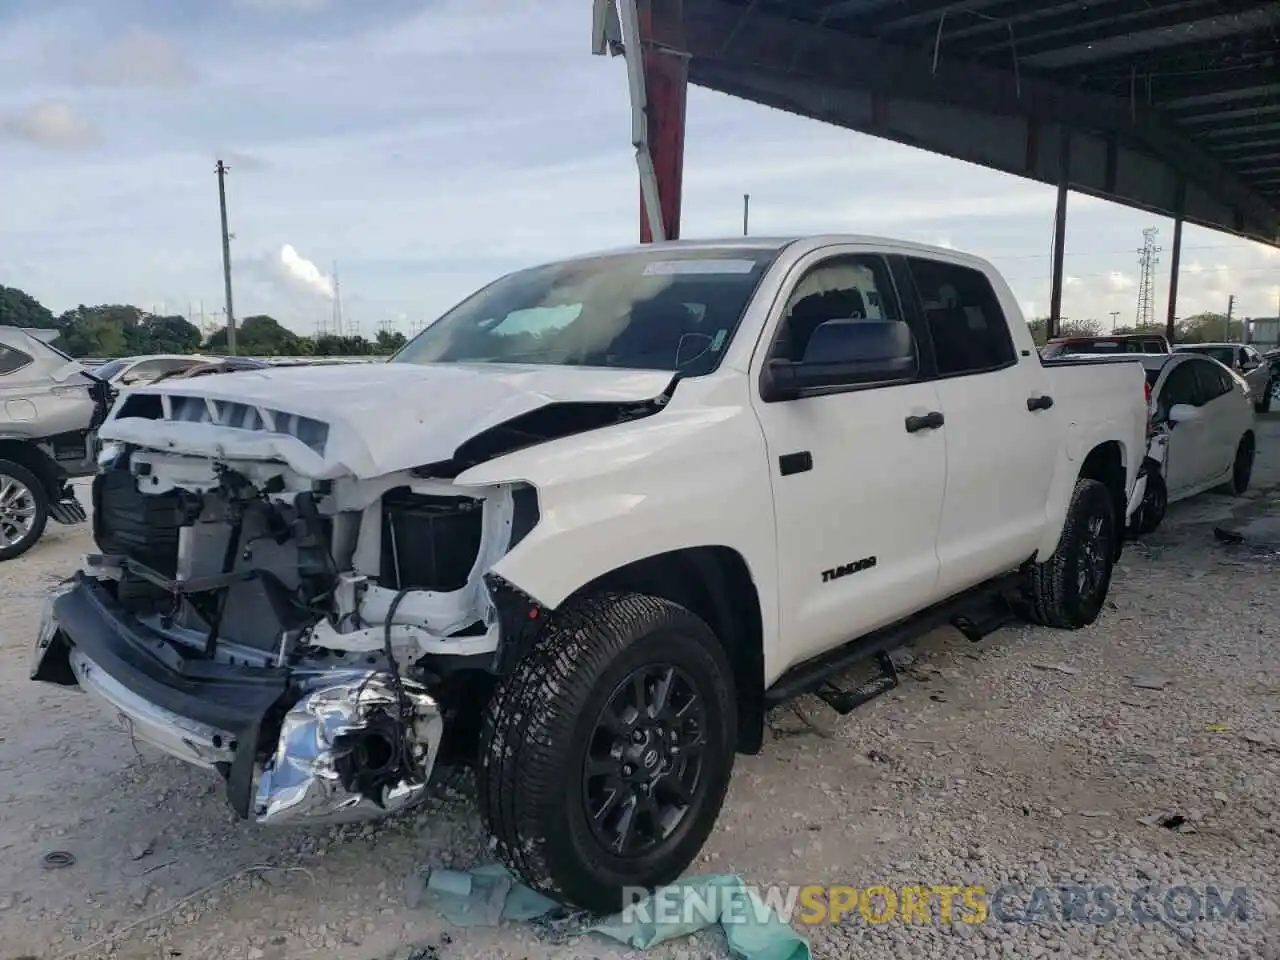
606 755
1069 589
24 509
1155 503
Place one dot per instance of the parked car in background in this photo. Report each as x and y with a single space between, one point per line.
1121 343
1243 360
139 371
207 367
1202 433
49 406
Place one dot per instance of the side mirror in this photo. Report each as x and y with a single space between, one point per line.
1249 364
1183 412
842 353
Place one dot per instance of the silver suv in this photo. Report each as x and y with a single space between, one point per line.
50 406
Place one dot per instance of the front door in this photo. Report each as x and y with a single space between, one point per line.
857 494
1001 453
1189 456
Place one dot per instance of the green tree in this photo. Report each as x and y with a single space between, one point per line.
172 334
388 342
1210 328
258 336
331 346
20 309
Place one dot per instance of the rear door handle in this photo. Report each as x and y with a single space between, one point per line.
930 421
1039 403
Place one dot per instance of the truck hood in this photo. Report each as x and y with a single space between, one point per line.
361 420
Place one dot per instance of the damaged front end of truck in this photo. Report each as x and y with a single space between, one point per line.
281 597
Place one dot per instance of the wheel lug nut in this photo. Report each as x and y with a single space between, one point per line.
626 770
637 737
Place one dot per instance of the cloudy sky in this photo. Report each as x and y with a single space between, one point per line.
425 146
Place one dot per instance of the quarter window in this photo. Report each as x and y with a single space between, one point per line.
969 330
12 360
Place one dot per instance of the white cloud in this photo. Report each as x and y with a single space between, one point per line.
52 124
296 5
139 58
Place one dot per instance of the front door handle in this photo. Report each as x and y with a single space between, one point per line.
1039 403
930 421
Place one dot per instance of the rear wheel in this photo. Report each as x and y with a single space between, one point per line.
1069 589
1241 467
24 509
606 755
1264 402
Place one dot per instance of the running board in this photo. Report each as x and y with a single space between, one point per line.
981 610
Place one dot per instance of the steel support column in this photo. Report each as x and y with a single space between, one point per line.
1170 323
1054 324
666 83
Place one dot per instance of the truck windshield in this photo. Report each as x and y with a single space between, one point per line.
651 310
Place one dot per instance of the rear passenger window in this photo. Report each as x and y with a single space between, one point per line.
842 288
1214 380
969 330
11 360
1181 386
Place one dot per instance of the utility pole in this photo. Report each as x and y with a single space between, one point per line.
746 212
1231 309
221 170
1115 314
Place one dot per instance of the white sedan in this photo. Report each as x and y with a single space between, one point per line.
1202 433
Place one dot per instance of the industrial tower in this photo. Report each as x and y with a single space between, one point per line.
1148 257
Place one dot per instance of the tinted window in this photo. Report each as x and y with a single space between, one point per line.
843 288
108 370
1214 381
968 327
1181 386
11 360
651 310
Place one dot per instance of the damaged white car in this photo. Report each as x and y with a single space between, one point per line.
583 531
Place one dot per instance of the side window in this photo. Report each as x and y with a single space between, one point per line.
969 330
12 360
1214 381
1181 386
147 371
842 288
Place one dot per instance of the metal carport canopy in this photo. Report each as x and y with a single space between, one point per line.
1172 106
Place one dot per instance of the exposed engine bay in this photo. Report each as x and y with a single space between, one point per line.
364 594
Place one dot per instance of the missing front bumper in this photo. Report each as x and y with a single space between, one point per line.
345 750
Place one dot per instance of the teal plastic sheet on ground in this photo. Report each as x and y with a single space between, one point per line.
490 895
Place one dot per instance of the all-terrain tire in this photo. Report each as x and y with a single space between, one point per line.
1241 468
1155 503
40 500
537 734
1055 593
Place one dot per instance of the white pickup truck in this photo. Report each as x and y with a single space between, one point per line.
584 530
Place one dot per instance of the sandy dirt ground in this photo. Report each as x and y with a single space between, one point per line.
1035 757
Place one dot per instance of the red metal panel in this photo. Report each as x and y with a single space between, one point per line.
666 79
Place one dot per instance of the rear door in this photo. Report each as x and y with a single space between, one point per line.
1001 450
857 494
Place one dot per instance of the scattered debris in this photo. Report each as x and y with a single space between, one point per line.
1216 728
1227 536
58 859
1095 813
1058 668
1150 681
139 850
1266 743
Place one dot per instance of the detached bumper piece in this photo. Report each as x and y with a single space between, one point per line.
321 746
346 754
68 510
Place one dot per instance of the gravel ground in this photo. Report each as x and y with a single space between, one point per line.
1030 759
